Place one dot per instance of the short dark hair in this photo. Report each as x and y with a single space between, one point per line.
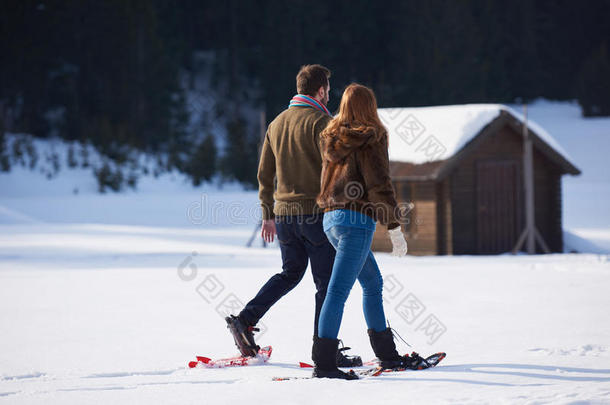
310 78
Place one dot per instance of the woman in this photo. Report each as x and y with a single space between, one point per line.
355 193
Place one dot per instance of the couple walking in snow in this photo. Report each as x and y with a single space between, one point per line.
324 184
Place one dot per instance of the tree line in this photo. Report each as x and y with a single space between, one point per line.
127 73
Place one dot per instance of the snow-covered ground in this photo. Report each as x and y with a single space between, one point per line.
100 314
106 298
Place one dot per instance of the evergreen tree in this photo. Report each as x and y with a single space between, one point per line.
5 164
109 72
593 84
202 164
109 178
240 160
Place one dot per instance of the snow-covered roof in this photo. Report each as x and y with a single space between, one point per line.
425 134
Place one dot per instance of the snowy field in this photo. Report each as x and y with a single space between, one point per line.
101 314
106 298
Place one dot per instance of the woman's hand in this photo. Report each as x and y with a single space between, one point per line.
399 243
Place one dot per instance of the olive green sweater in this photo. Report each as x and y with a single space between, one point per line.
291 154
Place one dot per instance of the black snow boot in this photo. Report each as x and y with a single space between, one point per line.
385 350
325 358
344 360
242 335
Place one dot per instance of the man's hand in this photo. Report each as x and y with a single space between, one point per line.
268 231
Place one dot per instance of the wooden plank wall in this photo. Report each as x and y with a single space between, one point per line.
421 234
556 216
547 191
424 226
503 144
444 220
444 226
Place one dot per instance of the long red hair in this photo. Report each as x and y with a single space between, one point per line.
358 111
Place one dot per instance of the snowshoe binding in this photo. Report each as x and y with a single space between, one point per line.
344 360
243 335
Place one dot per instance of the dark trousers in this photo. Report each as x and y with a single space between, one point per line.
301 239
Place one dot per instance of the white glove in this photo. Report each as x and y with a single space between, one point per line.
399 243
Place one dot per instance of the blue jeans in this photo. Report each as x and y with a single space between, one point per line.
301 239
354 260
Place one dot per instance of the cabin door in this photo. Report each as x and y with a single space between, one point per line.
498 205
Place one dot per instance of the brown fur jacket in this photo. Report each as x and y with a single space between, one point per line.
355 174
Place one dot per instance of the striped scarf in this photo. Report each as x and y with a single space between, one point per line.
306 101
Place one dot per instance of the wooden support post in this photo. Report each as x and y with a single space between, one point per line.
528 171
530 234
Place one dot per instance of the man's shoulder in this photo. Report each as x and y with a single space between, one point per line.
301 113
324 119
315 114
281 116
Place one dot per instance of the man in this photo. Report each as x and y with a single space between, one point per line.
291 155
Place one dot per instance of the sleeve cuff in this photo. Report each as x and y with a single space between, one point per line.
393 225
267 212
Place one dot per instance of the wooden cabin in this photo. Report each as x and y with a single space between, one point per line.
458 170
